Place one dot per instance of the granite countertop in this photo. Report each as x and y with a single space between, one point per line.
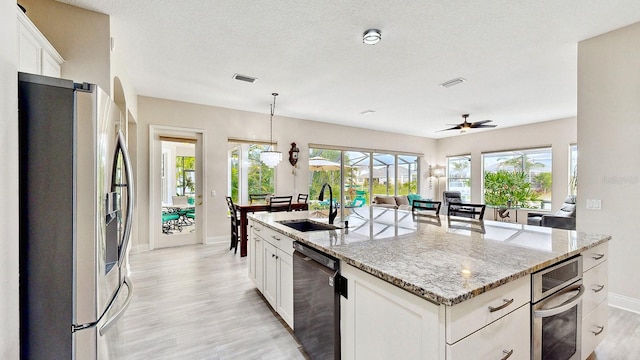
445 260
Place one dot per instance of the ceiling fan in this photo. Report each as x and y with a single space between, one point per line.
464 126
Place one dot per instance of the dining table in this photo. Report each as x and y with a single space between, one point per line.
245 209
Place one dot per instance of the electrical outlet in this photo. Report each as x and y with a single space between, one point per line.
594 204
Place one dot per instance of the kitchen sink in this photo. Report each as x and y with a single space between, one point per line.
305 225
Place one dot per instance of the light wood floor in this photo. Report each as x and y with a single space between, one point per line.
197 302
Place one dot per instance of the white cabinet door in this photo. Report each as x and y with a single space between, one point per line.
270 286
256 256
285 287
36 55
382 321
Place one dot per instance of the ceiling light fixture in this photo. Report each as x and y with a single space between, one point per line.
270 157
371 36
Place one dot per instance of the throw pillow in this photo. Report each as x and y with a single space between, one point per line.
402 200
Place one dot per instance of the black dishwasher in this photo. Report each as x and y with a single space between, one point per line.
317 286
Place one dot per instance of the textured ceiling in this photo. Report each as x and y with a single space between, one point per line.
519 57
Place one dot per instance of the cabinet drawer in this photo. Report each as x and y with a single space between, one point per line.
596 284
257 229
595 256
468 316
594 328
278 240
508 335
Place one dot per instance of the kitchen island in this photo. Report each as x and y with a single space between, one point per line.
418 287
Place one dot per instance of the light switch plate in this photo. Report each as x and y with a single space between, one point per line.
594 204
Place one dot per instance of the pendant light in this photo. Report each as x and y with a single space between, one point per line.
270 157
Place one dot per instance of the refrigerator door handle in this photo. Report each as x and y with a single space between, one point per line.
124 307
122 147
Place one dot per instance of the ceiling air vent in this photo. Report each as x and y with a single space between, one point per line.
453 82
246 78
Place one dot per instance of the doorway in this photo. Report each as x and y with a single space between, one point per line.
176 169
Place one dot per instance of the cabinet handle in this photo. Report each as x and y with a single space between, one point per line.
273 255
597 256
599 288
507 353
600 330
275 237
506 303
257 229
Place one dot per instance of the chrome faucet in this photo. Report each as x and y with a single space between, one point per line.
332 213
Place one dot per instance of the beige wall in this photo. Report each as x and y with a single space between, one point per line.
608 164
221 124
80 36
9 337
559 134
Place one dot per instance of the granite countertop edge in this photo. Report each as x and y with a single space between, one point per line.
427 294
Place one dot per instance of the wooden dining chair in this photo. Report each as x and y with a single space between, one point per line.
235 225
280 203
303 198
426 206
258 197
474 211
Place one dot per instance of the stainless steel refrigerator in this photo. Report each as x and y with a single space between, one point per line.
76 207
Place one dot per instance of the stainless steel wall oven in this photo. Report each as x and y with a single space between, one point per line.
556 311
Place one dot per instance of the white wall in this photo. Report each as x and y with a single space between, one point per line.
221 124
609 152
9 324
559 134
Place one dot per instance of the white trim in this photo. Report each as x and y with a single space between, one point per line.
217 239
201 147
624 303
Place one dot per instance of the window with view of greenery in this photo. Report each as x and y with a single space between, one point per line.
185 175
518 178
365 174
459 175
247 174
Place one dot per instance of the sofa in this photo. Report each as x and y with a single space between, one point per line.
565 218
402 202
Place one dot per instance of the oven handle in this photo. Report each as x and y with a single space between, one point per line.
564 306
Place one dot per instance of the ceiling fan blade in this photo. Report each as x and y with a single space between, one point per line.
457 127
484 126
480 122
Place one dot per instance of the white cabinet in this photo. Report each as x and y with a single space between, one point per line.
36 55
256 257
382 321
595 306
271 268
507 337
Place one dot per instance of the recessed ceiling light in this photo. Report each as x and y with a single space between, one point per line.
371 36
453 82
246 78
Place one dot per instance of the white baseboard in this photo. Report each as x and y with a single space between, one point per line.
624 303
139 248
217 239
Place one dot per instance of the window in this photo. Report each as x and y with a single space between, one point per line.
247 174
518 178
364 173
459 175
573 169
